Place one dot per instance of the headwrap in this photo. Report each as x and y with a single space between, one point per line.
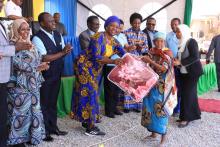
159 35
110 20
14 35
186 35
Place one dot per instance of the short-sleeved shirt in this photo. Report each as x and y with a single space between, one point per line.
172 43
12 9
121 39
40 45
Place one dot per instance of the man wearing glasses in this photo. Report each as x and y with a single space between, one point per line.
93 27
150 31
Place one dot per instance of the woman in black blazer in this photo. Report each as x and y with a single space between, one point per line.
191 69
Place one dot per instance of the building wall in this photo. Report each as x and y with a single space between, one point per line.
124 8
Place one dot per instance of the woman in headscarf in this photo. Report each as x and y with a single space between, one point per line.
88 69
137 40
191 69
25 116
154 117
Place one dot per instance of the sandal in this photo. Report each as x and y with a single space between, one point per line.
183 125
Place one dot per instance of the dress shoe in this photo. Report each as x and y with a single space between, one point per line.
18 145
181 125
137 111
110 115
126 110
48 138
118 113
59 133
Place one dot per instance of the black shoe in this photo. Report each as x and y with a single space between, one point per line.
183 125
18 145
118 113
218 90
110 115
48 138
59 133
85 126
137 111
94 132
126 110
179 120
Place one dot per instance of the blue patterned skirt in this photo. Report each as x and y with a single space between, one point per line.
25 117
153 117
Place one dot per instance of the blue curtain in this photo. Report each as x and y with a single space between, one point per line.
68 12
67 9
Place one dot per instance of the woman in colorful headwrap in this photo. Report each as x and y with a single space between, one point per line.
88 69
25 115
154 117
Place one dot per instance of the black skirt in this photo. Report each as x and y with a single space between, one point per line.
189 106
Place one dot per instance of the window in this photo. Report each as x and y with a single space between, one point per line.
161 17
103 11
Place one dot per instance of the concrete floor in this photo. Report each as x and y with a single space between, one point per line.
126 131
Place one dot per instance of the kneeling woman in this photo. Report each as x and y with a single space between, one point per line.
153 116
88 71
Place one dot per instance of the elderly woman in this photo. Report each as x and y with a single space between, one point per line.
190 68
88 69
25 116
154 117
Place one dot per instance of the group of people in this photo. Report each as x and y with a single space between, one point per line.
175 56
29 99
28 108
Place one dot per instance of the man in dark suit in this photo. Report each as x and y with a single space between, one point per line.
150 31
93 27
215 46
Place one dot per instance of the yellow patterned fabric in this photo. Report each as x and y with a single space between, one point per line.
109 51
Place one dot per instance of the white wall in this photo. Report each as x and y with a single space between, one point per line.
124 8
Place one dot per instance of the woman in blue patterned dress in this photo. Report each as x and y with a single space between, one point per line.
154 117
88 69
25 116
137 40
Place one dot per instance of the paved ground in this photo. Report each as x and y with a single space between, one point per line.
126 131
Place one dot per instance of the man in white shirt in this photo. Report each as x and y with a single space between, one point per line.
50 44
14 11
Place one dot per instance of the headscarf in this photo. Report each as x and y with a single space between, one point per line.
111 20
159 35
186 35
14 30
